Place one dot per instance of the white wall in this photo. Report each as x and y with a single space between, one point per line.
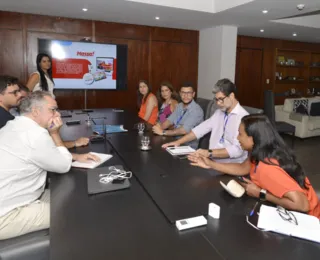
217 57
221 5
196 5
229 52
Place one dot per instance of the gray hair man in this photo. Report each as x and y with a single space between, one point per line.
30 145
224 146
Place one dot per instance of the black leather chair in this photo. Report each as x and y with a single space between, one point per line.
269 110
203 103
32 246
253 110
208 112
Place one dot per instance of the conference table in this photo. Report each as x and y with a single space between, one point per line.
139 222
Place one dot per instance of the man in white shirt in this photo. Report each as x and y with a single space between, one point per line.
30 145
223 125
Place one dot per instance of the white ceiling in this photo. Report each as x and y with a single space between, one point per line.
248 17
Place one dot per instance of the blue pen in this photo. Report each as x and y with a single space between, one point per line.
254 208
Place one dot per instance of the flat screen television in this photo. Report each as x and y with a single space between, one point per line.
86 65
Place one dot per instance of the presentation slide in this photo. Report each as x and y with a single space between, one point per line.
79 65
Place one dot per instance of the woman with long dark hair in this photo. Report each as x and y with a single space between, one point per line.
42 78
147 102
167 101
275 174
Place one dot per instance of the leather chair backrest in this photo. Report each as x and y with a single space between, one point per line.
253 110
269 108
211 108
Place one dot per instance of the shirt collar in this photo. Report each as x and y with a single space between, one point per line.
191 104
236 109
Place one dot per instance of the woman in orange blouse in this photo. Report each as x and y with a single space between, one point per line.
275 174
148 103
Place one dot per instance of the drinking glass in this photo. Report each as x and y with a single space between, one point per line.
145 141
140 128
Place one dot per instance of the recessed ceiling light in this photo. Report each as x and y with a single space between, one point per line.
157 18
84 9
294 34
261 30
265 11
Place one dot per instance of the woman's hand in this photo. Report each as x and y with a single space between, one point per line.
200 161
251 189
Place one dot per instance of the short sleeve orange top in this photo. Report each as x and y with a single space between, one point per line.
154 114
276 181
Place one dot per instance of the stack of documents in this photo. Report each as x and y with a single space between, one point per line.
92 164
180 150
308 226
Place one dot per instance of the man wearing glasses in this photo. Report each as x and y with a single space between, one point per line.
186 116
223 125
10 97
11 94
30 145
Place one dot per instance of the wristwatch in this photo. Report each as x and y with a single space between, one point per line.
210 153
164 132
263 195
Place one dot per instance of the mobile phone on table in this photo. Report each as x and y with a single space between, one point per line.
182 157
241 179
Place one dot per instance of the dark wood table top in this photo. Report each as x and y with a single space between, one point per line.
138 223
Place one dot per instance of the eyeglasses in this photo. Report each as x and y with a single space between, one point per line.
15 92
220 99
54 110
283 213
287 215
182 93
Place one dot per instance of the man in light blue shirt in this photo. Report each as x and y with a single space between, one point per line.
186 116
224 124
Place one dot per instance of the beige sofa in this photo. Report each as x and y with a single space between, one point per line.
306 126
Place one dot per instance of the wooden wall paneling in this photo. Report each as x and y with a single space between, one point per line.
178 55
251 42
268 66
123 31
180 64
171 62
137 70
174 35
51 24
67 99
32 45
249 77
10 20
193 62
160 64
11 54
269 47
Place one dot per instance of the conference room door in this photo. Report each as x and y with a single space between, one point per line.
248 77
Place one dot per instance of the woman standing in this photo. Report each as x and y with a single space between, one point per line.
168 100
148 103
275 174
42 78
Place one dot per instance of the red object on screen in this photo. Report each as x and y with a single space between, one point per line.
69 68
114 73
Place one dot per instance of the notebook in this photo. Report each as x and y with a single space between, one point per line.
109 129
180 150
95 186
91 165
308 226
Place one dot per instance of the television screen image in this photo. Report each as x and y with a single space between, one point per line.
83 65
105 64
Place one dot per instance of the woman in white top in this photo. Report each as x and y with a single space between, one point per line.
42 78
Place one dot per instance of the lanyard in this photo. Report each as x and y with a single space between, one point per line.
226 118
180 118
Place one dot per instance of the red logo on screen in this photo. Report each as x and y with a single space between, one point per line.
86 54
